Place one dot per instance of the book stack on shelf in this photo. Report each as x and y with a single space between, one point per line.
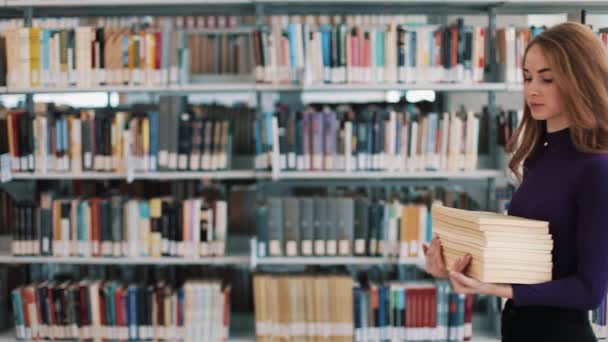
504 249
119 226
108 51
367 49
171 137
307 306
349 225
299 306
412 311
111 310
372 138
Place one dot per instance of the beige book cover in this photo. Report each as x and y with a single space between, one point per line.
486 218
485 242
504 253
526 235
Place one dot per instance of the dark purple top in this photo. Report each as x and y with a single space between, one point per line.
569 189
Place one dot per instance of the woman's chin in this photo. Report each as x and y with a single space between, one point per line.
538 115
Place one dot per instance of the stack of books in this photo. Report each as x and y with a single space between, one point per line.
504 249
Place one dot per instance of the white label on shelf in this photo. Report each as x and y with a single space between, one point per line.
274 248
164 247
261 249
344 247
359 246
332 247
342 329
291 157
163 159
130 168
414 247
292 248
23 163
404 252
204 249
5 168
298 329
306 247
220 248
320 247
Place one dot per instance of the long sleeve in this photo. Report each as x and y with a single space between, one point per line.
585 288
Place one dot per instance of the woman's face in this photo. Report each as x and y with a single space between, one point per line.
541 92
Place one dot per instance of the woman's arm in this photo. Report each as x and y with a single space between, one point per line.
466 285
585 289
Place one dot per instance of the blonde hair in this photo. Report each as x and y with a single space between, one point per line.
580 71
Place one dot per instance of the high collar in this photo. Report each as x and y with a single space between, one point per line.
558 138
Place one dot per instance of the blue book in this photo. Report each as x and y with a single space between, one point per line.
413 62
433 161
18 312
45 38
153 116
144 214
258 141
83 228
382 311
292 36
132 319
358 313
326 44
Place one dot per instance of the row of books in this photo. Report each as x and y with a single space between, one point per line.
312 50
87 56
170 138
110 310
507 122
412 311
118 226
334 307
285 49
354 224
511 44
218 21
373 138
291 307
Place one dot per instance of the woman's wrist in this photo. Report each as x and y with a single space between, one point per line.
499 290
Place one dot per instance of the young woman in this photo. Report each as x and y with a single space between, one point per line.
563 144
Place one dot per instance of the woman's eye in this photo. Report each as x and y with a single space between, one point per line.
527 80
547 80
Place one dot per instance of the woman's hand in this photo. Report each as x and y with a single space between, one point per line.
466 285
435 264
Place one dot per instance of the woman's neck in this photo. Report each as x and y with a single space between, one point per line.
557 124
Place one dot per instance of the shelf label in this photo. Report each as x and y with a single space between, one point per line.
5 168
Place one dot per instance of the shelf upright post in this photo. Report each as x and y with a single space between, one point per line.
28 14
492 74
259 20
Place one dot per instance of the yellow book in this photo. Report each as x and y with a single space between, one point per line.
155 223
145 132
131 51
151 59
35 70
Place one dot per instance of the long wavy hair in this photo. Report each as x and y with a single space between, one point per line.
580 70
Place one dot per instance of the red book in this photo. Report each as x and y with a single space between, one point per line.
454 46
468 317
159 51
226 314
95 227
102 309
433 309
50 302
